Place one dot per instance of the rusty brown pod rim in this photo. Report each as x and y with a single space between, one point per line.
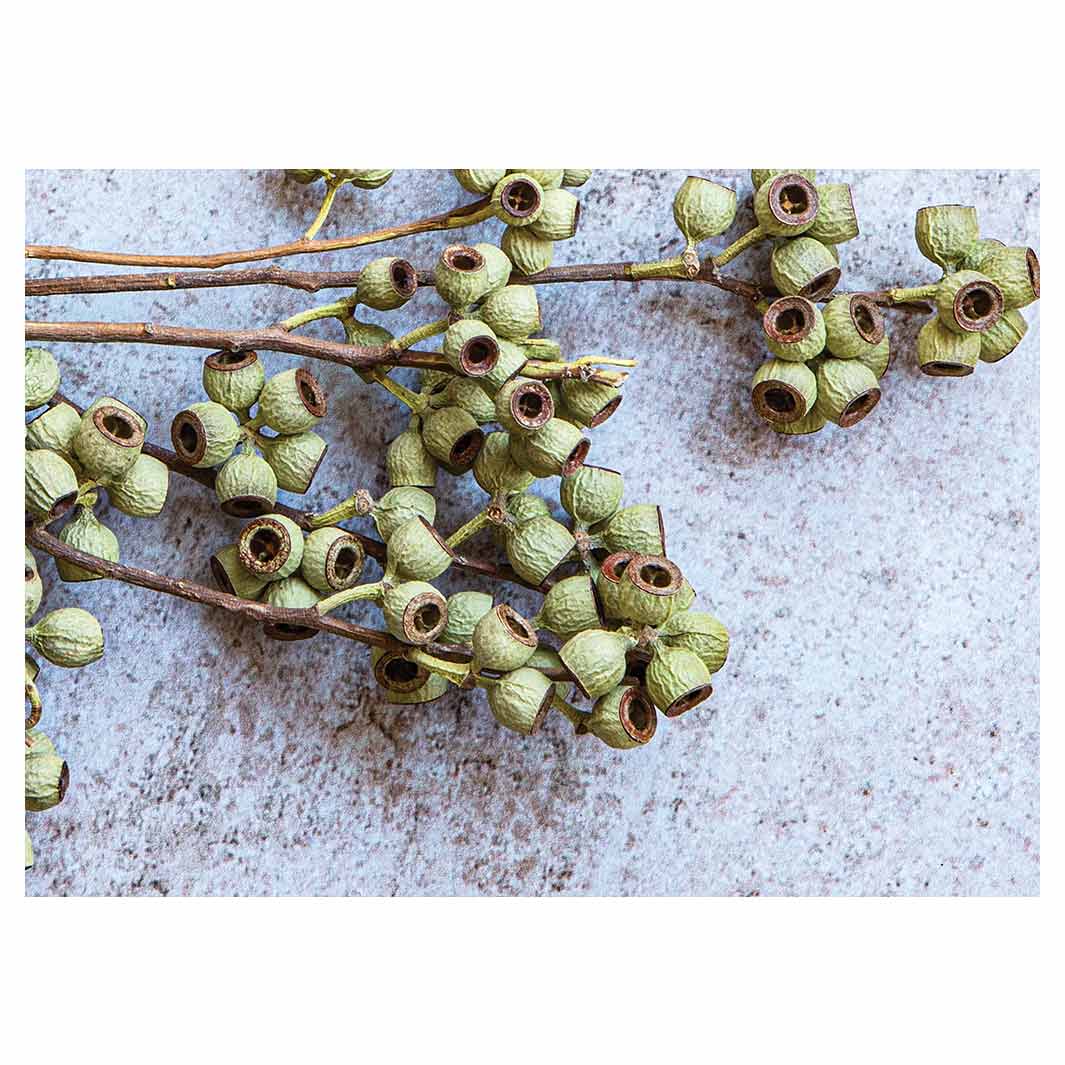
531 405
636 575
259 528
102 416
822 284
478 356
390 659
288 631
983 297
404 277
247 506
777 189
776 410
867 318
860 407
519 197
947 369
629 715
230 361
187 420
608 568
464 451
789 305
412 622
463 258
516 625
576 457
347 542
602 415
690 699
1032 261
311 394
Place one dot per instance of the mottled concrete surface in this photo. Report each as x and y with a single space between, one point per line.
875 730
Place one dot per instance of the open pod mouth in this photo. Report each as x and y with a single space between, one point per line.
230 361
310 393
778 402
425 617
247 506
264 547
531 405
690 699
637 659
344 562
404 277
398 674
614 566
1033 269
978 305
859 407
867 319
478 356
464 451
188 436
789 319
793 201
947 369
654 575
64 781
286 630
575 459
519 198
637 715
822 284
516 625
604 412
61 506
118 426
463 258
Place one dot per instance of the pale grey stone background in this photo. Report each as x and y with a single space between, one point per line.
875 730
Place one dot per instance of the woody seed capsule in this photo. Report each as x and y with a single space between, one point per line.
700 633
968 302
804 267
559 218
408 461
271 547
979 253
366 179
946 232
794 329
291 593
555 450
677 680
836 220
451 435
495 471
545 177
853 325
703 209
416 551
41 377
524 506
942 352
246 486
590 402
398 505
638 528
513 312
234 379
608 583
878 358
141 491
292 402
846 391
502 640
623 718
499 266
51 484
760 177
528 252
520 700
511 359
461 276
464 610
294 459
47 778
54 429
470 347
518 199
414 611
204 434
783 392
998 341
479 182
538 547
108 442
570 606
812 422
574 177
110 401
68 637
231 576
596 658
1016 272
435 687
34 586
85 532
523 406
468 394
387 283
647 589
394 672
786 205
591 494
332 560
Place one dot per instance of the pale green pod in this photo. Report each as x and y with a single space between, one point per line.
942 352
760 177
333 560
836 221
366 179
41 377
495 471
396 673
978 254
570 606
294 459
452 436
538 547
512 357
703 209
700 633
684 598
34 587
29 851
638 528
417 552
1016 272
591 494
365 335
108 442
520 700
878 359
513 312
231 576
432 382
292 402
470 347
853 326
545 658
559 218
518 199
461 276
234 379
387 283
415 612
596 658
47 778
54 429
479 182
434 687
522 507
468 394
556 450
499 265
677 679
647 589
464 610
68 637
623 718
502 640
246 486
546 178
408 461
786 206
290 593
946 232
523 406
204 434
85 532
998 341
528 252
110 401
271 547
39 743
794 329
590 402
804 267
398 505
141 491
968 302
608 583
574 177
51 484
813 422
847 391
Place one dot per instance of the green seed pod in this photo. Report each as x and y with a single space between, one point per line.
408 461
559 218
528 252
786 206
231 576
638 528
846 391
853 326
47 778
499 265
968 302
804 267
38 743
467 394
623 718
435 687
538 547
479 182
366 179
271 547
677 680
464 610
85 532
204 434
703 209
591 494
141 491
394 672
34 586
433 382
596 658
837 221
1016 272
398 505
700 633
812 422
502 640
495 471
523 406
234 379
978 254
878 359
41 377
387 283
51 484
518 199
292 402
543 348
452 436
54 429
291 593
647 589
511 359
246 486
417 552
760 177
68 637
590 402
544 177
942 352
556 450
998 341
29 851
470 347
294 459
108 442
110 401
521 699
415 612
794 329
513 312
608 583
570 606
462 276
365 335
332 560
574 177
522 507
684 598
545 658
945 233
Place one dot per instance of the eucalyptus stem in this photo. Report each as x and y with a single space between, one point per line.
479 521
360 592
423 332
323 211
739 246
909 295
675 268
576 717
338 309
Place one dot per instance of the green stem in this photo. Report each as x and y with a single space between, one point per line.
675 267
416 336
738 247
329 310
323 211
413 400
332 602
905 295
358 504
470 529
454 672
576 717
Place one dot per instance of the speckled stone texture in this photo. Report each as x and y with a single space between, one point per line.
875 730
